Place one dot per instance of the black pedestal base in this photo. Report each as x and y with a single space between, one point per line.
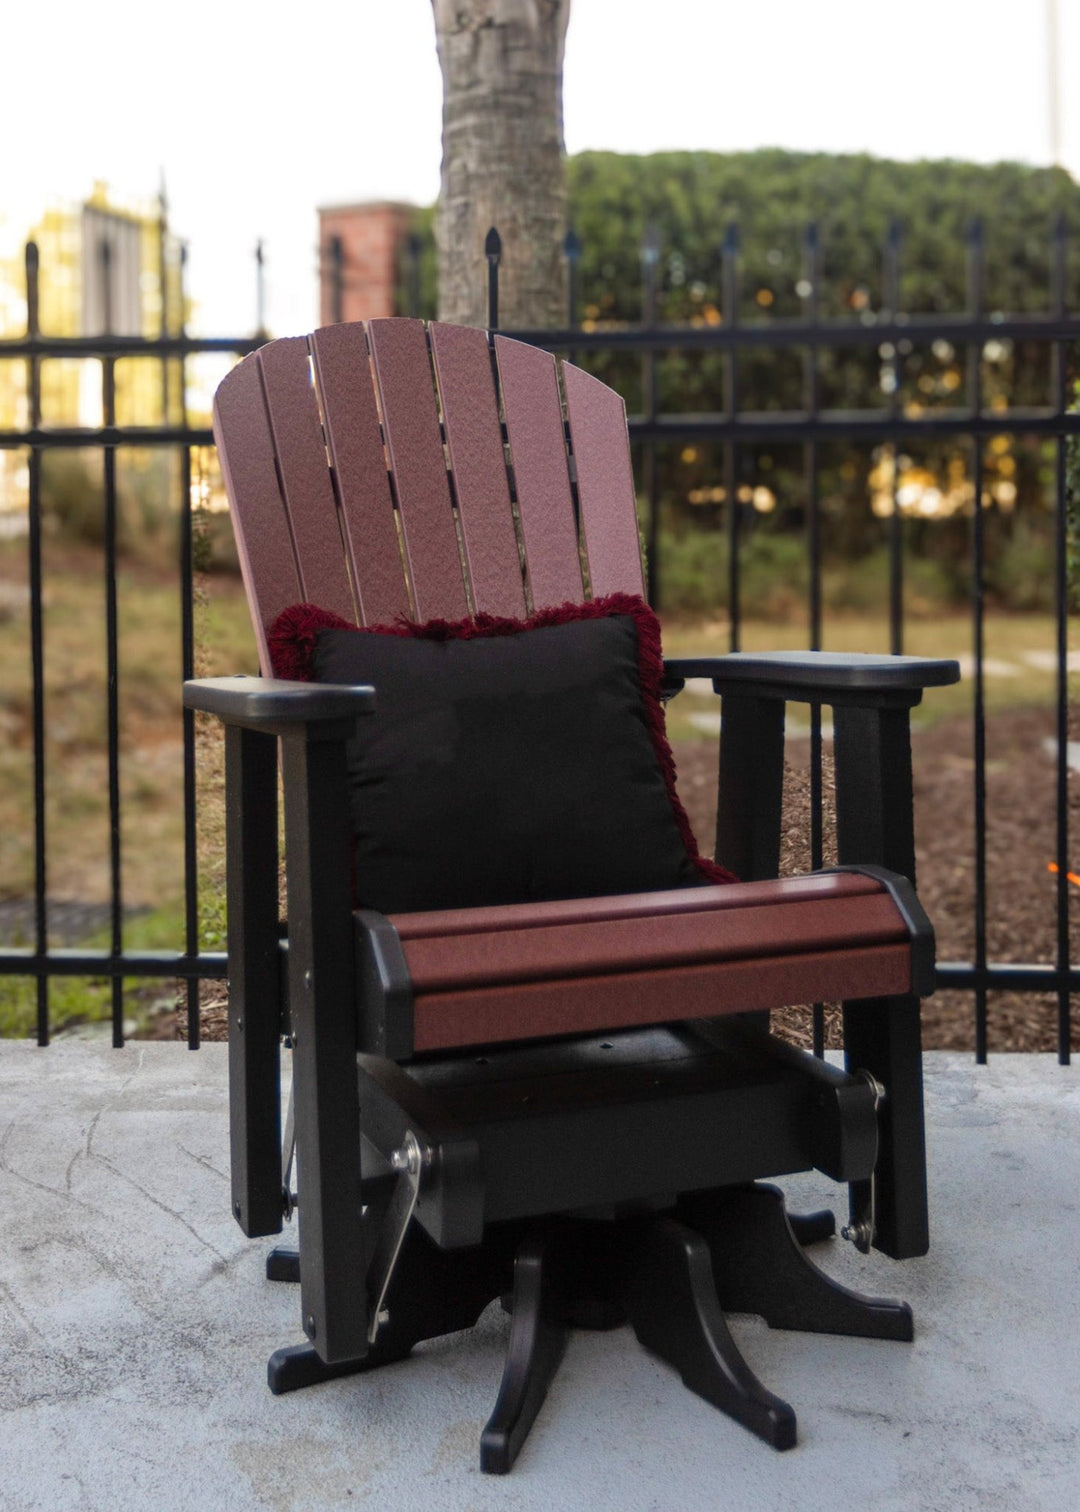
672 1276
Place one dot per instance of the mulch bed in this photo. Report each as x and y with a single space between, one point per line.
1021 892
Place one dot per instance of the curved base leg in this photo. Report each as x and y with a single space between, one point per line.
433 1292
298 1365
812 1228
538 1336
283 1264
759 1267
673 1306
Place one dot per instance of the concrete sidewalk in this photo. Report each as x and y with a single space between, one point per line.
135 1325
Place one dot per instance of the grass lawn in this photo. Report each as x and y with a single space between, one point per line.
151 774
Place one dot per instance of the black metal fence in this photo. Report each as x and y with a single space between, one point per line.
812 427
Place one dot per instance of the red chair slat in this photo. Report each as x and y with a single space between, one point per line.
302 463
260 521
534 426
530 1010
716 898
605 483
354 439
474 441
646 944
411 425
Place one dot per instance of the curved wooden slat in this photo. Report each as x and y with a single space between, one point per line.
347 392
411 425
605 483
474 441
263 541
534 426
305 476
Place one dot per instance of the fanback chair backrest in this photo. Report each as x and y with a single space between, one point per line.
388 468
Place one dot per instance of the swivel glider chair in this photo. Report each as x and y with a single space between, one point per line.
528 1023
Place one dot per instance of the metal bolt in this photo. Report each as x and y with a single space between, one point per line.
858 1234
308 980
408 1158
237 1211
309 1325
240 1025
384 1316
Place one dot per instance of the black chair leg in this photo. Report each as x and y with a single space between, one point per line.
812 1228
283 1264
433 1292
538 1336
759 1267
672 1302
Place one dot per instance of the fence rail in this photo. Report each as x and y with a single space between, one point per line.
812 427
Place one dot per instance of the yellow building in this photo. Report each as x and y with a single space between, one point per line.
102 269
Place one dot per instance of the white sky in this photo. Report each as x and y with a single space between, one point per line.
259 112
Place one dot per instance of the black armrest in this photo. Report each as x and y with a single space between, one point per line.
816 676
277 707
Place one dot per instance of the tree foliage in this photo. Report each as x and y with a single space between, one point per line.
688 201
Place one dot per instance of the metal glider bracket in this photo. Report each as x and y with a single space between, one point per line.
408 1162
861 1231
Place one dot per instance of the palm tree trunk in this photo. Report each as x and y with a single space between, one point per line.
503 158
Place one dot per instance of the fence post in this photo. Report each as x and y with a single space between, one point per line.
260 290
37 643
572 253
730 301
811 272
650 258
412 273
337 280
896 524
978 611
1059 264
493 251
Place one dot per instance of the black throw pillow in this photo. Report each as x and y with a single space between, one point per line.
507 761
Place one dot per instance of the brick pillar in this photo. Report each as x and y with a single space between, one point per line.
363 242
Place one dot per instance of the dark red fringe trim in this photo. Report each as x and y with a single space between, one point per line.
294 636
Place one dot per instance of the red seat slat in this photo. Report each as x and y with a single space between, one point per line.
605 483
450 921
411 424
474 441
347 392
478 960
534 427
263 540
626 999
309 493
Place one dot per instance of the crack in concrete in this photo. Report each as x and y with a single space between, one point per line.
24 1317
39 1186
161 1206
205 1162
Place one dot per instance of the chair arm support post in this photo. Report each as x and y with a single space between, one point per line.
254 979
321 987
750 786
874 823
871 698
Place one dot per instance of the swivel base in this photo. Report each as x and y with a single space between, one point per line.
671 1276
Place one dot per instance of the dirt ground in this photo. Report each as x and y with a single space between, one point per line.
1021 892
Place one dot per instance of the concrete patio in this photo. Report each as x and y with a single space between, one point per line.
135 1324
